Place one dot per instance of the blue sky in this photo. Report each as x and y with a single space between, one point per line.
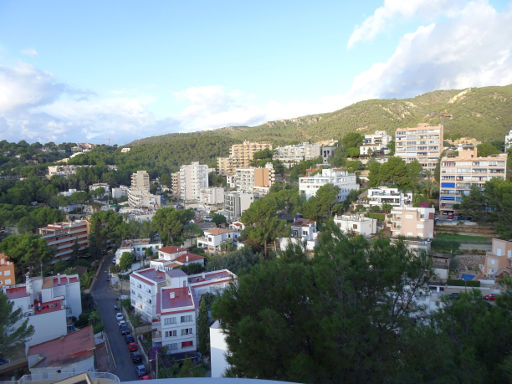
123 70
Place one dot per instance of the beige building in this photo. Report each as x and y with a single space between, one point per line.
293 154
240 156
459 173
139 195
62 237
423 143
412 222
498 259
175 184
6 271
254 179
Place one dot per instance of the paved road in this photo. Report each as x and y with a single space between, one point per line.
105 299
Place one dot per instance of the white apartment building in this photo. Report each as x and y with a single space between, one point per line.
122 191
423 143
62 237
327 152
218 350
139 195
376 143
47 303
214 237
290 155
345 181
105 186
170 301
212 196
137 247
459 174
193 178
171 257
356 224
235 203
378 196
147 283
412 222
508 141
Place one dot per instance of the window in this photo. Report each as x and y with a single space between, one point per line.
173 346
7 273
186 344
170 333
186 319
186 331
170 321
7 281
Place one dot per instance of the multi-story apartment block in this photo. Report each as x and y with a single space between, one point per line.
193 178
498 259
385 195
47 303
508 140
345 181
459 173
327 152
7 276
137 247
235 203
240 156
254 179
423 143
175 184
357 224
375 144
412 222
63 170
170 299
214 237
212 195
139 195
105 187
293 154
62 237
120 192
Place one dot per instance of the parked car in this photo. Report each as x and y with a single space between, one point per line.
454 295
141 370
121 323
4 361
136 357
490 297
129 338
145 377
119 316
124 329
132 347
116 307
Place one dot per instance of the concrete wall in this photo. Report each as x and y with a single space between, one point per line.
218 350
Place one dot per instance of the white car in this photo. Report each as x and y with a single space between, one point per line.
119 316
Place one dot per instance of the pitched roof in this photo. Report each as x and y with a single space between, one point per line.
191 258
218 231
172 249
65 350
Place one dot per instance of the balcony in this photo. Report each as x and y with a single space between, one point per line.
70 378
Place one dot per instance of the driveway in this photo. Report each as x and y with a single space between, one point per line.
105 299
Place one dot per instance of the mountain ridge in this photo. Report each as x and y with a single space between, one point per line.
484 113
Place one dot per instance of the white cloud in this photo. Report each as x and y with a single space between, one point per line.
472 50
395 11
29 52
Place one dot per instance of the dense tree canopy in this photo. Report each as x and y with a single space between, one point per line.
320 206
334 318
170 223
395 172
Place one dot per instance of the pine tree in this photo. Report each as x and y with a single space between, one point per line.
12 335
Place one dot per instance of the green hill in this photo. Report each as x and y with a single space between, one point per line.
484 113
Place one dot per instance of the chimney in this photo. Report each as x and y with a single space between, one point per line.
172 295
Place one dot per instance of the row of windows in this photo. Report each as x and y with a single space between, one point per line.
173 320
184 344
174 332
6 273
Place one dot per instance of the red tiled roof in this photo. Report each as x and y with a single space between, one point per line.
65 350
16 292
172 249
191 257
182 298
53 281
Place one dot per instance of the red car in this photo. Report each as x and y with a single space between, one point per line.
132 347
145 377
490 297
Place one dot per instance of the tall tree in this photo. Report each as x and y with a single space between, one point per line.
336 318
170 223
29 252
321 205
203 329
13 331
